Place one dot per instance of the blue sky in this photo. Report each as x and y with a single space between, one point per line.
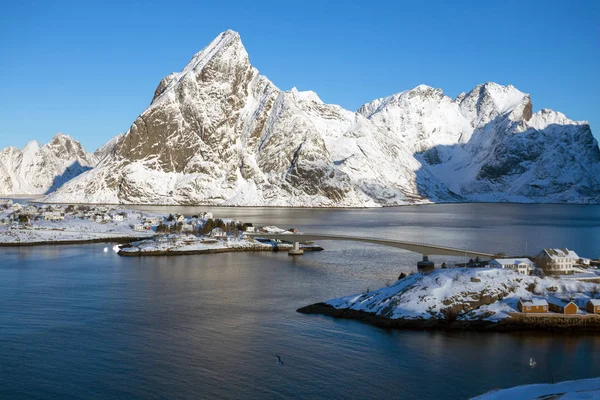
89 68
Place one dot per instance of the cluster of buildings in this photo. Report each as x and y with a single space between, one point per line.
17 214
188 224
548 261
557 306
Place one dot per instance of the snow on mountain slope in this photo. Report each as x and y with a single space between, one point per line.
39 169
218 132
107 149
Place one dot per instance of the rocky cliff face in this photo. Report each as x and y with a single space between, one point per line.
40 169
220 133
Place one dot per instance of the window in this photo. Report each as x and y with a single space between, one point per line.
527 308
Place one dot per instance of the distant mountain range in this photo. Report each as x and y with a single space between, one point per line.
41 169
218 132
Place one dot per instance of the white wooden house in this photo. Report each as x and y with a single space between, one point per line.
218 233
560 261
523 266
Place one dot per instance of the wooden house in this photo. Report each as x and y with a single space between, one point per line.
562 306
593 306
532 305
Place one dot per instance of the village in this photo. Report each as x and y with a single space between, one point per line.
560 264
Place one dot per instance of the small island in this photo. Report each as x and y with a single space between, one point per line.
473 299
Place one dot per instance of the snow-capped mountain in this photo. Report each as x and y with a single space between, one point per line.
40 169
218 132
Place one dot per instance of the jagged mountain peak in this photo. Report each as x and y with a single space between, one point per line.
504 98
307 95
487 101
546 117
226 49
31 146
422 94
64 146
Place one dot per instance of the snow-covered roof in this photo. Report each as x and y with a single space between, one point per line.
513 261
595 302
559 302
534 302
560 253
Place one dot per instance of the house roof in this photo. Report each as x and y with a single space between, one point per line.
595 302
559 302
513 261
560 253
534 302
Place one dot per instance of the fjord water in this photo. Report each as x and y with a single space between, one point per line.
78 322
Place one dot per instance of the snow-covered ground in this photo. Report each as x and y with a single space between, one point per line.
588 389
486 294
191 243
72 228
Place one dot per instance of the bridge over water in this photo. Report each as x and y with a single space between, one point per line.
421 248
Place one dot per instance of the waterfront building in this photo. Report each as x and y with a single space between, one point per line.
593 306
534 305
562 306
560 261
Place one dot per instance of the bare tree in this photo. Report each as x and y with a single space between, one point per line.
546 266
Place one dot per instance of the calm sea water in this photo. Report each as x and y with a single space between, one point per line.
76 322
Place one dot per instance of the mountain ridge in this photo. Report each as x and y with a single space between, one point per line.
38 169
218 132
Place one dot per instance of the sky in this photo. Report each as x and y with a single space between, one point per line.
89 68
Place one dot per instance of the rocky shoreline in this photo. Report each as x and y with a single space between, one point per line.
211 251
504 325
121 239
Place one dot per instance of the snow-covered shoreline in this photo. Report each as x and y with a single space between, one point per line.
190 244
575 389
460 298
